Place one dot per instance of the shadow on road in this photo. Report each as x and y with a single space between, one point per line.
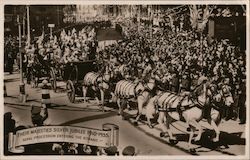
89 118
226 139
11 80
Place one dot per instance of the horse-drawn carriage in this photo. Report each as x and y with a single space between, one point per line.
74 73
39 70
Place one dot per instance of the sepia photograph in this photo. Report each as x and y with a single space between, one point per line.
135 79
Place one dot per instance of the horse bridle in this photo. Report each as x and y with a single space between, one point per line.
223 94
196 98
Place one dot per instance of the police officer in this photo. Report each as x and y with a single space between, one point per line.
36 116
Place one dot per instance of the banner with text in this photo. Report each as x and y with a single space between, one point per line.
79 135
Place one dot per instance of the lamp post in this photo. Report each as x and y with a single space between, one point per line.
28 24
22 95
24 25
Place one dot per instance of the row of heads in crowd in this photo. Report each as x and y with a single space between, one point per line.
184 53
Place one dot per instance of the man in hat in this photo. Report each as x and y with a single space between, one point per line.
36 117
128 151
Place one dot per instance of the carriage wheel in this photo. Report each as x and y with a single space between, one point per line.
53 79
70 91
74 74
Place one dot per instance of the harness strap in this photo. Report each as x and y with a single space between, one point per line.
136 94
172 95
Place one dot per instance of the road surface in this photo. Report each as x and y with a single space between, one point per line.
145 140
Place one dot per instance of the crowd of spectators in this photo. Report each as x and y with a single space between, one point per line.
178 58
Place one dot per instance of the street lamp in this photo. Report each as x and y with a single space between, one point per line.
22 95
28 24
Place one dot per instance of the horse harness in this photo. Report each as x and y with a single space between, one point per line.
180 108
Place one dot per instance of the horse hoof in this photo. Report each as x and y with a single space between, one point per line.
197 139
173 141
150 126
162 134
192 150
215 140
136 123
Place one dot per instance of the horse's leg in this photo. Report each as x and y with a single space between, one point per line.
112 97
140 101
119 105
122 106
191 135
217 131
168 122
150 111
96 96
195 124
162 120
84 91
215 121
149 123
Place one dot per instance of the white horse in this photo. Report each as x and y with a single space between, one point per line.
110 77
134 90
91 79
186 107
221 101
99 82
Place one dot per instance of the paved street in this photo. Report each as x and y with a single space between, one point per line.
145 140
